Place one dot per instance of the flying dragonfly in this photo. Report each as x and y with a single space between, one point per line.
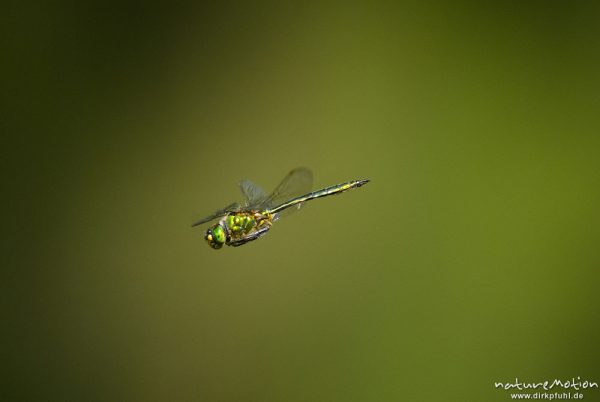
241 223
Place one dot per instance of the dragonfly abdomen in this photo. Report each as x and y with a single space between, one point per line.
336 189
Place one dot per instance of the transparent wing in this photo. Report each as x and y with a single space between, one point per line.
221 212
298 182
253 194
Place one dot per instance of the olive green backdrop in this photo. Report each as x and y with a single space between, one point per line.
471 257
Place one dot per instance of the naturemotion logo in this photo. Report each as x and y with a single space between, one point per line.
575 384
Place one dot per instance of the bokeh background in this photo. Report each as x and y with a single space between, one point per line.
472 256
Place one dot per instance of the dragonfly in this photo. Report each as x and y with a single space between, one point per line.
242 223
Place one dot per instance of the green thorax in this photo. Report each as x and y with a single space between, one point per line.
244 222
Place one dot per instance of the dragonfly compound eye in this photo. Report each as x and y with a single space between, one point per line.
215 236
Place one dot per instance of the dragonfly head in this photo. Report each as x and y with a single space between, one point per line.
215 236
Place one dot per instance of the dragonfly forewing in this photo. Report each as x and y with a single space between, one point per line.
233 207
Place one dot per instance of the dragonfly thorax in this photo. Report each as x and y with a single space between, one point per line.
238 228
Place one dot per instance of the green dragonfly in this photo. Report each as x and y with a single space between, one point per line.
241 223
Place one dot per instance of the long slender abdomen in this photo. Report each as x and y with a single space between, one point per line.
337 189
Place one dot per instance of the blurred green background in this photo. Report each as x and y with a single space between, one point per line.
472 256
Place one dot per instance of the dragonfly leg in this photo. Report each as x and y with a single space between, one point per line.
252 236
